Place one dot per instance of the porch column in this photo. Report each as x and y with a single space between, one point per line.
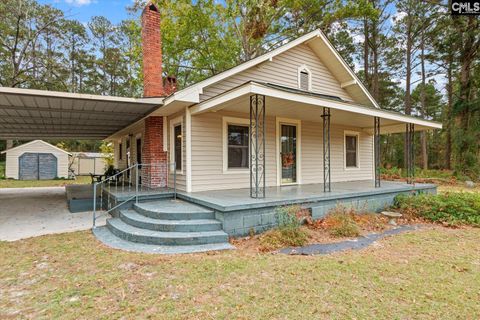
410 135
376 147
326 150
257 146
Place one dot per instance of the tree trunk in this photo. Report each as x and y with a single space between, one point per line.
423 102
448 115
408 98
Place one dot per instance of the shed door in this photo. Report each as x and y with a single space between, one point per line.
47 164
37 166
28 166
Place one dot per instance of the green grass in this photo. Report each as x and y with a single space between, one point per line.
426 274
41 183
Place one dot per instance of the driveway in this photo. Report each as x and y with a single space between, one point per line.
31 212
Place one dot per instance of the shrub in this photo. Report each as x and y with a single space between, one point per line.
340 222
450 208
288 233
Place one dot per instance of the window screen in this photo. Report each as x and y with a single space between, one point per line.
351 147
237 146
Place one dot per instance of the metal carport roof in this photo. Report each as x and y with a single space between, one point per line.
39 114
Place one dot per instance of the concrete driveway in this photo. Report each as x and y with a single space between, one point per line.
31 212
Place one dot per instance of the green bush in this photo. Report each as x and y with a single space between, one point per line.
2 169
287 217
450 208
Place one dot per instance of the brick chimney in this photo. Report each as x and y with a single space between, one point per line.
155 172
152 52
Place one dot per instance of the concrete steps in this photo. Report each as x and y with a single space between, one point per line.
172 226
138 220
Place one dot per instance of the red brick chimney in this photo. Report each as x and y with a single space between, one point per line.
152 52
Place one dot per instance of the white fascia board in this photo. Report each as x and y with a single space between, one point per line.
79 96
218 102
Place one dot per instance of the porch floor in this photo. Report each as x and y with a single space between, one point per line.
239 199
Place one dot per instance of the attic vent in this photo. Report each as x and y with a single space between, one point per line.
304 79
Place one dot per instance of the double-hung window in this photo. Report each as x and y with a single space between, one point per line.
351 150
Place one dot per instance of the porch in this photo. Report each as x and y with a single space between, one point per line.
239 213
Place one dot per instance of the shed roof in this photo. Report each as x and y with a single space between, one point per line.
48 145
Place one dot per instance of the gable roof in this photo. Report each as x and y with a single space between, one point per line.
318 42
33 142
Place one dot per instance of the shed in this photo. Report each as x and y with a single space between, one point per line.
85 163
36 160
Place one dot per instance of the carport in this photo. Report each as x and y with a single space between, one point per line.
37 114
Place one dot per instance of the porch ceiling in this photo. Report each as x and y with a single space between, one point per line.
309 107
38 114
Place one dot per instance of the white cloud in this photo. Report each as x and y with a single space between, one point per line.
79 3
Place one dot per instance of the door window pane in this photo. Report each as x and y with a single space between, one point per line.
288 141
237 146
177 131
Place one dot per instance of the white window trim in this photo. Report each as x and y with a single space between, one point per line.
304 67
235 121
173 123
345 134
298 124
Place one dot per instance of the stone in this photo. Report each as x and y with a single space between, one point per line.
470 184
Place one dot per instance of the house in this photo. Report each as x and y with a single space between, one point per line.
293 126
36 160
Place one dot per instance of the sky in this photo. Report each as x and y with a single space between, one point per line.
83 10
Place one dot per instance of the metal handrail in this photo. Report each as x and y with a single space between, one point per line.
128 173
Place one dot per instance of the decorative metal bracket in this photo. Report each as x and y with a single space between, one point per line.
257 146
410 141
326 150
377 154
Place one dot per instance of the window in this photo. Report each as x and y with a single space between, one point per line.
177 141
237 139
351 150
120 151
304 78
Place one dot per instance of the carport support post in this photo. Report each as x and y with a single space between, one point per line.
326 150
376 141
257 146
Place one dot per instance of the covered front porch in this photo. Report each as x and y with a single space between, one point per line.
275 136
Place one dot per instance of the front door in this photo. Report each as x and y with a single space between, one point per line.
288 153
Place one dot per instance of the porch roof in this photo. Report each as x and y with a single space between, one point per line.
39 114
293 103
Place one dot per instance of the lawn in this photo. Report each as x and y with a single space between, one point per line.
42 183
432 273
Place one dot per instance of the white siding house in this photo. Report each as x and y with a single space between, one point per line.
36 160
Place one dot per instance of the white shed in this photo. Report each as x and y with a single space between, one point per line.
36 160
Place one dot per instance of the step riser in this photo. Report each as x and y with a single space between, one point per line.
172 228
167 241
175 216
